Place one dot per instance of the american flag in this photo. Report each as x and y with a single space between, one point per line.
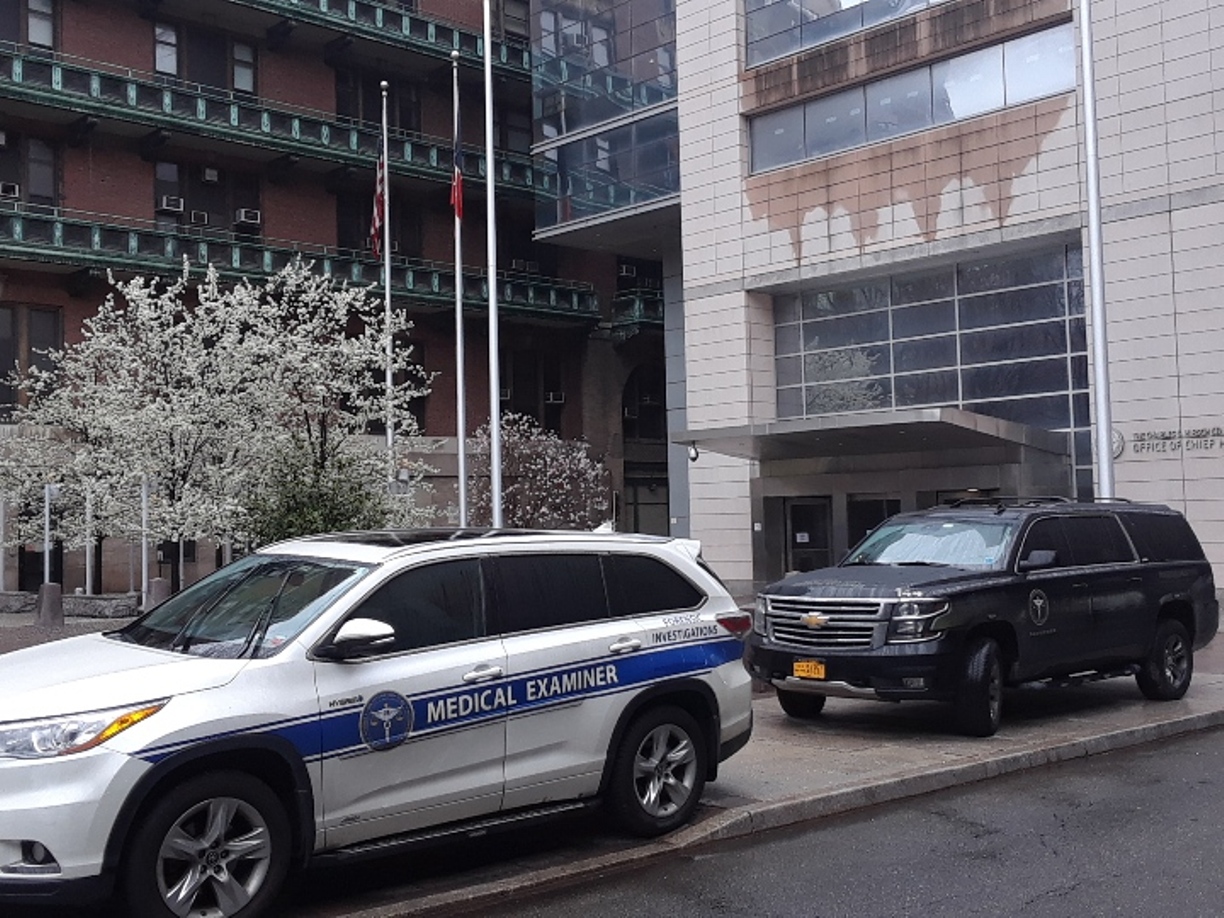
456 194
380 205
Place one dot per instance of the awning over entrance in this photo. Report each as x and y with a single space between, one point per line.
871 433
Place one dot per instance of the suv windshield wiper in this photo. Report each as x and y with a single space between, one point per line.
921 564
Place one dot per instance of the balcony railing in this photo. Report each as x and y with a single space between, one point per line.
636 310
99 242
103 91
391 24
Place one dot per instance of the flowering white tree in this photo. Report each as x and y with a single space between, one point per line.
203 390
547 482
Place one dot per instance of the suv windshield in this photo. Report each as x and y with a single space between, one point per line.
252 607
971 544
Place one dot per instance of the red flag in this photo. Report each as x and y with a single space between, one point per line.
456 194
380 205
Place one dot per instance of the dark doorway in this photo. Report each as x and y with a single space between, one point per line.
809 533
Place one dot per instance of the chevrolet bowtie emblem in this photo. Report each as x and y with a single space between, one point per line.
813 620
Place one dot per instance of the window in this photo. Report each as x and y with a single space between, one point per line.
26 333
165 49
40 23
776 28
28 171
429 606
243 77
40 173
640 585
1047 535
543 591
1162 537
1097 540
1017 71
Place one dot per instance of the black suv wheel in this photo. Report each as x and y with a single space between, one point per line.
801 705
1166 673
979 697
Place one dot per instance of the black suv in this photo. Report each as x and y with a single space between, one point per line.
956 602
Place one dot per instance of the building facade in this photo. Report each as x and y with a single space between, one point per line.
874 261
135 134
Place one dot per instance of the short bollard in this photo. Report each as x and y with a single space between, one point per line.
159 592
50 606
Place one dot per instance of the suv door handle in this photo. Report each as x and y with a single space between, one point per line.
483 673
624 645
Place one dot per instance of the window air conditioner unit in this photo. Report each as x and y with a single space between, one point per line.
169 204
504 395
199 218
209 175
576 41
554 398
10 190
248 216
627 271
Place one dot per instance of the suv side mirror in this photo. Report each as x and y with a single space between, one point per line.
1038 558
358 637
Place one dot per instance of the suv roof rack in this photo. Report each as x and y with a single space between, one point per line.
1010 500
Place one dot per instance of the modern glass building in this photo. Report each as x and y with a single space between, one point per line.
870 229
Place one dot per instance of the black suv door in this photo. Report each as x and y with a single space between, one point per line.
1056 616
1120 620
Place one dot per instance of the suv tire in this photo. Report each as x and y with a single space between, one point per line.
979 697
659 772
801 705
1165 674
217 844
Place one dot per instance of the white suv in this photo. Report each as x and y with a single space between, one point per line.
345 694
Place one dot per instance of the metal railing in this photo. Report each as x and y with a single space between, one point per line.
105 242
391 23
105 91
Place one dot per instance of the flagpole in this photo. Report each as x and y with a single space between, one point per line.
386 253
460 385
1103 418
495 472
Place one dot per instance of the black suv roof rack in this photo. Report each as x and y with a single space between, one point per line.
1009 500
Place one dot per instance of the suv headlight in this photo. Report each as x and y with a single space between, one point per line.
54 736
758 616
912 619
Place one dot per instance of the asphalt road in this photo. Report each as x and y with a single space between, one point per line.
1134 832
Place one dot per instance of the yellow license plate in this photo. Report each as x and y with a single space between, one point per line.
809 669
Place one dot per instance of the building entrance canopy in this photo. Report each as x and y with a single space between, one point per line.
872 433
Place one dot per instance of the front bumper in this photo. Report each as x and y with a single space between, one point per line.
895 672
66 806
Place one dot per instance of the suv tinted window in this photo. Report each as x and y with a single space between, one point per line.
542 591
638 584
1162 537
1047 535
430 605
1097 540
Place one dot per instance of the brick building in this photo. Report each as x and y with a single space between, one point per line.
242 132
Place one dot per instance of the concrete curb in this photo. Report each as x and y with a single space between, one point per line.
761 816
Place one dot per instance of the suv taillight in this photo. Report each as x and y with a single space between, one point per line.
738 623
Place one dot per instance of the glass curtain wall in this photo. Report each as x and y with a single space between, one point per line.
1002 336
598 62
